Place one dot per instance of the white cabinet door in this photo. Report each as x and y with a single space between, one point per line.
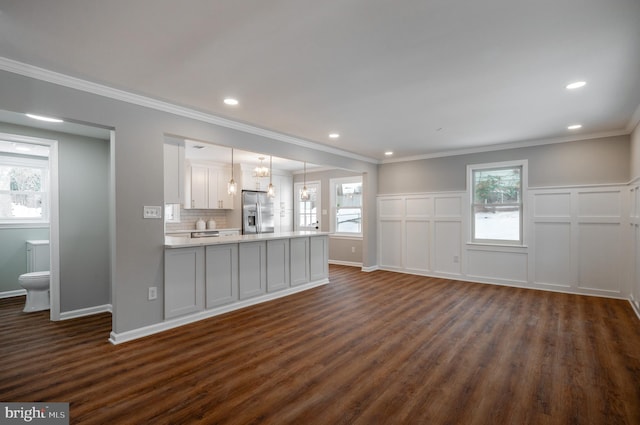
197 185
299 261
225 200
319 258
277 264
221 274
173 172
206 187
252 269
183 281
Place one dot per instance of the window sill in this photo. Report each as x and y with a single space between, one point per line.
41 225
345 236
496 246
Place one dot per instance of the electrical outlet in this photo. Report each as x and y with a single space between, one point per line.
353 249
153 292
152 212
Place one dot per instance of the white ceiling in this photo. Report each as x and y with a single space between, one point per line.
419 77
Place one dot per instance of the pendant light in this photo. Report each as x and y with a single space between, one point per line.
271 192
304 195
261 170
232 188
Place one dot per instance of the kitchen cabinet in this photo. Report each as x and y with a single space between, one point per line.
206 187
184 281
318 257
252 269
173 171
221 274
299 259
277 264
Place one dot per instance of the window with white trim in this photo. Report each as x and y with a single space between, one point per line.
497 202
346 206
24 189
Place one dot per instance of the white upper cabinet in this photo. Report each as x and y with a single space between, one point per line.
173 171
206 187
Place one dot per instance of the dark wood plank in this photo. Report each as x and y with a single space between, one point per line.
369 348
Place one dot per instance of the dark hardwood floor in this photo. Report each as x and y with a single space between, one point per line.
369 348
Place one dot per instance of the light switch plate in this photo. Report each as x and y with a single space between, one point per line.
152 212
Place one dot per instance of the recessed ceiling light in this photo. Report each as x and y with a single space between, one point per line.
576 85
43 118
388 153
231 101
334 135
574 126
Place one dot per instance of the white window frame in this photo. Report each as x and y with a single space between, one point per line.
30 162
333 183
524 184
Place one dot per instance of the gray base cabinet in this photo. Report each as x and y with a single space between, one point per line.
184 281
253 269
221 274
299 261
277 264
318 257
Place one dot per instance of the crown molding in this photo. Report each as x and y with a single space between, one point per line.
513 145
634 120
46 75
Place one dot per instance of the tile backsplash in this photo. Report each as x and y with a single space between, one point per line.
189 217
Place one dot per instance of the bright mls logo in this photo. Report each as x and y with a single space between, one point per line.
35 413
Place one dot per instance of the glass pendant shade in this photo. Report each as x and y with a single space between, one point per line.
304 194
232 187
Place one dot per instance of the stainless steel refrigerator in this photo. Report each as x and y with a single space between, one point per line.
257 212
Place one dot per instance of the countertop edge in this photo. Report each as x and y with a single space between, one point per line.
172 242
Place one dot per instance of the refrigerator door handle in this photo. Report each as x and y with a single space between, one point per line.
258 217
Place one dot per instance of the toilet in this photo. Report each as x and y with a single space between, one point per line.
37 286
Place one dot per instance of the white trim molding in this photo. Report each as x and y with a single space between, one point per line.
119 338
11 294
135 99
89 311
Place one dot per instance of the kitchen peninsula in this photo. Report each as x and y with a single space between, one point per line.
208 276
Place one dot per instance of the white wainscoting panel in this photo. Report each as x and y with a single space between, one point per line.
500 266
581 240
552 250
448 206
390 243
417 245
600 204
554 204
391 207
599 256
418 206
447 247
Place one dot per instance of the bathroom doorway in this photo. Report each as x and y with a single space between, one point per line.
78 207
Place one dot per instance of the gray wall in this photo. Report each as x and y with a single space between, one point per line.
13 254
83 174
596 161
83 167
138 173
339 249
635 153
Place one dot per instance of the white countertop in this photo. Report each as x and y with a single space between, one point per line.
171 232
183 242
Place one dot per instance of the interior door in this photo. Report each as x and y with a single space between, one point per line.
307 213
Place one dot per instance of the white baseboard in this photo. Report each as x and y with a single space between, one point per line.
371 268
16 293
119 338
345 263
635 306
106 308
